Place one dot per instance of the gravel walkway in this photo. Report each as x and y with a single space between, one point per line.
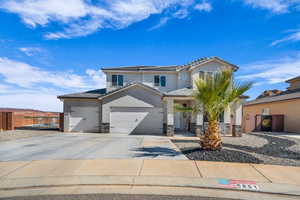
251 148
18 134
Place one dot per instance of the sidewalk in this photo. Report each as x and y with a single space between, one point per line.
18 177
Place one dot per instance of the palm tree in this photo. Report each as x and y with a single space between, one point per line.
212 96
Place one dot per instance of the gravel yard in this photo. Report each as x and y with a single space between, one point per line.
263 148
18 134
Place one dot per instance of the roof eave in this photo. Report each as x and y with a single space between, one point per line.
63 97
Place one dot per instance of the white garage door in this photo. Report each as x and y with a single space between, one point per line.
84 119
136 120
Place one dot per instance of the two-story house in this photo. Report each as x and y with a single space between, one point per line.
140 100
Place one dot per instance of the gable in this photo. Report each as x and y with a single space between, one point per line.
212 66
128 87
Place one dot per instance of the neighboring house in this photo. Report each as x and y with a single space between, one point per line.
140 100
281 109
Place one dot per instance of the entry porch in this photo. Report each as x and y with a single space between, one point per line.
186 123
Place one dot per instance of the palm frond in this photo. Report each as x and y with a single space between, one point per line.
217 92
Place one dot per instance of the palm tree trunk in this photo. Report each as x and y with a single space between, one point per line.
212 139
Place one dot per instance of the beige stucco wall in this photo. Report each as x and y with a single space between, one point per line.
289 108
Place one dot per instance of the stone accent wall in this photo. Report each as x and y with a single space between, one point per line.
170 130
224 128
199 130
104 127
237 130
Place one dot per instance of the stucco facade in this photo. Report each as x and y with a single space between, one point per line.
133 102
287 103
289 108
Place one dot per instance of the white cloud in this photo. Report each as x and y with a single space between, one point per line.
83 17
273 71
276 6
26 86
161 23
204 6
295 36
98 77
279 7
41 12
25 75
30 51
40 101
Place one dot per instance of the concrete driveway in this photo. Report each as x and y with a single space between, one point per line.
71 146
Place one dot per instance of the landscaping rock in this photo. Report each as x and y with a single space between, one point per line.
251 148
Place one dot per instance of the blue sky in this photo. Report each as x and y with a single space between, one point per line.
50 47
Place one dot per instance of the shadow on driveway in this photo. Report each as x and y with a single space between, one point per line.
156 151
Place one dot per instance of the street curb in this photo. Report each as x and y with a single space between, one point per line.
13 184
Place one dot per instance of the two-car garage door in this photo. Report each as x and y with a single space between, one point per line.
136 120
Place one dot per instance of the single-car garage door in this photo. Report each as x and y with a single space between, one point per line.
84 119
136 120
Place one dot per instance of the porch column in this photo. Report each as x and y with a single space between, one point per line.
237 120
227 121
199 123
170 117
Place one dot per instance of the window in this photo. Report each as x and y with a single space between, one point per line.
114 80
163 81
120 80
117 80
201 75
265 111
160 81
156 80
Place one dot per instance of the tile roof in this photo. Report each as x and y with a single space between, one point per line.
91 94
145 68
180 92
286 95
169 68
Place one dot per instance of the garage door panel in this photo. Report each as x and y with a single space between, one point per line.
136 120
84 119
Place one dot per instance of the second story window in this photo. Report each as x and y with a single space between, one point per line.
156 80
163 81
201 75
160 81
117 80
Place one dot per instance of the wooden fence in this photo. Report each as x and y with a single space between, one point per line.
6 121
12 120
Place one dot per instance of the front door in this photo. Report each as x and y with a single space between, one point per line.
182 121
